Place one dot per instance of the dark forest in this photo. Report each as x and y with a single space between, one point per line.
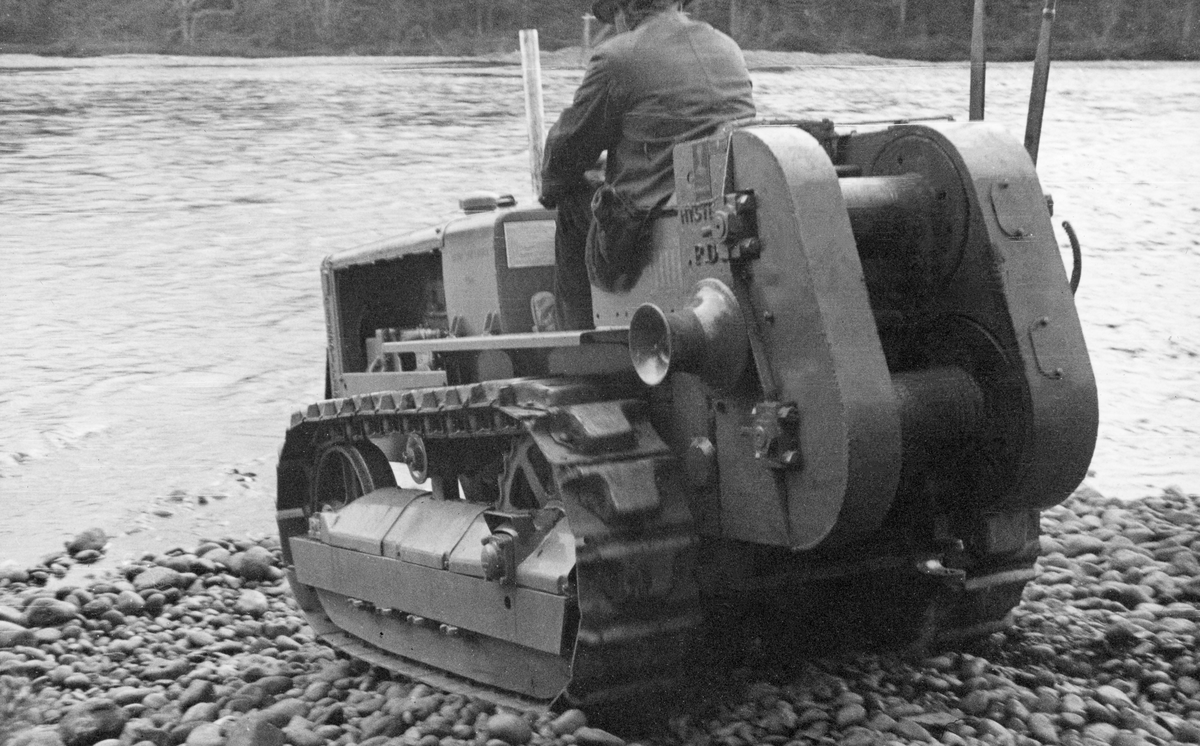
918 29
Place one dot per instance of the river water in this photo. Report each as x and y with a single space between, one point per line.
162 221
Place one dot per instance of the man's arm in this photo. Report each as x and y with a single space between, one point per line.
588 127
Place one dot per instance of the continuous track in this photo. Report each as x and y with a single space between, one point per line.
634 590
635 602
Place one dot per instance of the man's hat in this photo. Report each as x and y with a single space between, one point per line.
606 10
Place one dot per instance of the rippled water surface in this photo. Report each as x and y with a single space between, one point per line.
162 221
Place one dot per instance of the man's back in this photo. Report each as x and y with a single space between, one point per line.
675 79
669 80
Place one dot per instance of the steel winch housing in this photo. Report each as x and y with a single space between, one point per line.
852 362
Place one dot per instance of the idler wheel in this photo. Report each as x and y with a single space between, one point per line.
346 472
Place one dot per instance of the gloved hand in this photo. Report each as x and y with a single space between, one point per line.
552 191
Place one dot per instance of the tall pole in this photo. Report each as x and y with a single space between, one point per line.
586 48
978 63
535 112
1041 78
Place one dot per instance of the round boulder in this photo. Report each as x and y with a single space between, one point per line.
510 728
253 564
12 635
568 722
42 735
597 737
13 572
157 578
252 603
49 612
92 721
93 539
129 602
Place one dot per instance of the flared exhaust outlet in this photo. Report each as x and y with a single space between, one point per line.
708 338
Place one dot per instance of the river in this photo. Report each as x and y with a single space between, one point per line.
162 221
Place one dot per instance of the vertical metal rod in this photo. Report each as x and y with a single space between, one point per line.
978 62
1041 78
586 48
535 113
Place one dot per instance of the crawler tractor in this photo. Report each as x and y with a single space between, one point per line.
852 369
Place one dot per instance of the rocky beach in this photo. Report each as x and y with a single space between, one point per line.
205 647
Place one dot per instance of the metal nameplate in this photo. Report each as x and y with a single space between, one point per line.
529 243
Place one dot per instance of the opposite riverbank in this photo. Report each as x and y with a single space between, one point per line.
929 50
205 647
898 29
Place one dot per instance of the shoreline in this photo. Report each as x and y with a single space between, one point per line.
205 647
240 494
570 56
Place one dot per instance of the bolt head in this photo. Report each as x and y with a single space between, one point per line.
762 440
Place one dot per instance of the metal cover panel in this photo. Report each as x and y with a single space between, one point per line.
753 507
417 242
520 615
369 383
1017 207
1052 347
429 530
469 252
663 282
465 559
362 524
429 655
822 348
358 565
547 568
313 562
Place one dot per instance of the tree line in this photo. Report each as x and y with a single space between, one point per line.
918 29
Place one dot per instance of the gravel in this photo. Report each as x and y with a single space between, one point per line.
205 647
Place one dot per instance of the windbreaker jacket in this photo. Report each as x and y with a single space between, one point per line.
670 80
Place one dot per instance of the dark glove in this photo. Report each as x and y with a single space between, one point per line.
554 190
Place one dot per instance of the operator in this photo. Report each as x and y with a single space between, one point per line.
667 80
